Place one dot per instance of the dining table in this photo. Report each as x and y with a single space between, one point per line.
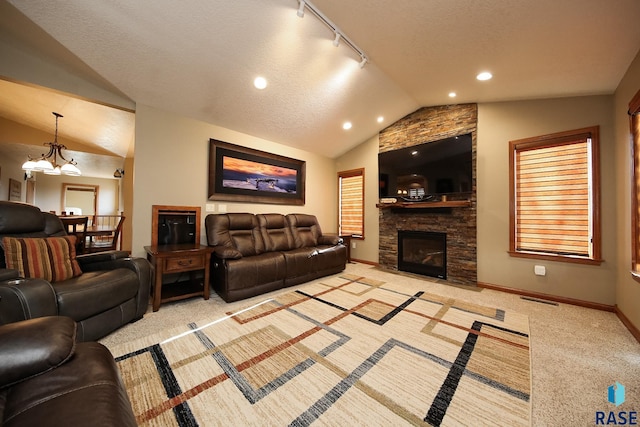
91 231
100 230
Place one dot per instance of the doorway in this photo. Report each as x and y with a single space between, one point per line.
80 199
31 192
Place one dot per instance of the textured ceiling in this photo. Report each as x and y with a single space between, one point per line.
199 58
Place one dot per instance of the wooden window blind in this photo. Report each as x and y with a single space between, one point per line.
553 211
351 203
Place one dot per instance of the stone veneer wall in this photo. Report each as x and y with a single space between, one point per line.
423 125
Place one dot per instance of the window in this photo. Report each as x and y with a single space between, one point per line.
351 203
555 197
634 121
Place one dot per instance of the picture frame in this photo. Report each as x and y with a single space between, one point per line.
242 174
15 190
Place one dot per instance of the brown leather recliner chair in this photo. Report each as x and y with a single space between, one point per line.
47 379
112 290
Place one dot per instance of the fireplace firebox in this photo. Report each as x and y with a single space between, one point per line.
423 252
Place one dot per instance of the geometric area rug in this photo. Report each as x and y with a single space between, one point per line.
344 351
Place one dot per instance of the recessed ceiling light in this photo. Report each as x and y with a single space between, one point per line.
380 119
260 82
346 125
452 94
485 75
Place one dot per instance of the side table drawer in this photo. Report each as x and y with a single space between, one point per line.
184 263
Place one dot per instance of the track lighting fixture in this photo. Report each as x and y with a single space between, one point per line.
339 35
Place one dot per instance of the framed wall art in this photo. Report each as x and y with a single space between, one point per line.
15 190
242 174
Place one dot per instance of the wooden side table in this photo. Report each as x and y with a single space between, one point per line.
346 240
180 258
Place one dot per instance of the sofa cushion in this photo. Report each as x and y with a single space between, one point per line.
252 271
53 225
35 346
20 218
52 258
302 265
305 229
239 231
95 292
276 233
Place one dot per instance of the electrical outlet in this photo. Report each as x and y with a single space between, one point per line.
353 245
211 207
540 270
222 208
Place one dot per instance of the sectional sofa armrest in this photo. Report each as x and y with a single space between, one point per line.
8 274
22 299
111 260
99 257
329 240
225 252
33 347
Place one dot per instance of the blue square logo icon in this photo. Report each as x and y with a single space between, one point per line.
616 394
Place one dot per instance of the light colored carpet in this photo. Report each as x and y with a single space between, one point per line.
577 353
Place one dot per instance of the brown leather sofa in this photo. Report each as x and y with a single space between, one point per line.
112 290
47 379
254 254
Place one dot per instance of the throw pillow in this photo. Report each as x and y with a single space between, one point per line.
51 258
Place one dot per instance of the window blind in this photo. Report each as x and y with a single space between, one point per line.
351 205
553 206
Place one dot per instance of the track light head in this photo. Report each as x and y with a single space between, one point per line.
336 41
301 8
363 62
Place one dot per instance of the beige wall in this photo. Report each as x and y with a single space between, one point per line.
499 123
365 156
171 168
9 169
49 192
627 290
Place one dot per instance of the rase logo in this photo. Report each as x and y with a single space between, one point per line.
616 396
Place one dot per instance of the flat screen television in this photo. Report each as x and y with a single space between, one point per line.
428 170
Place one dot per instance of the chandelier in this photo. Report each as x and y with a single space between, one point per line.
48 163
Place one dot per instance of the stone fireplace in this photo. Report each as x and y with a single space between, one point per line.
457 222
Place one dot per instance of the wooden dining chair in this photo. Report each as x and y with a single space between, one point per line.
106 244
77 226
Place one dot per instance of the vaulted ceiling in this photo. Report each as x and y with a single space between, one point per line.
199 58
